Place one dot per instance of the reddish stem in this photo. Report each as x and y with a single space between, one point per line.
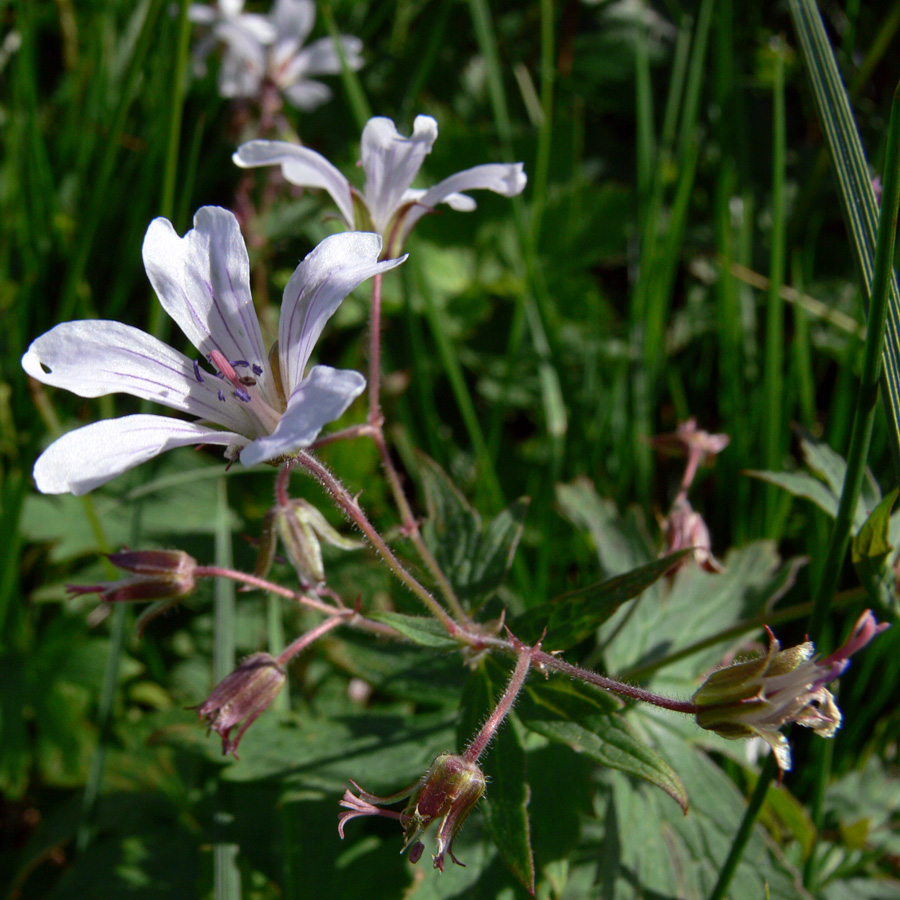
306 639
375 353
495 720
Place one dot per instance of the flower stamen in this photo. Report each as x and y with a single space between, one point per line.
266 417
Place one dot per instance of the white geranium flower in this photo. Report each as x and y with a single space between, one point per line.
260 406
391 162
261 48
228 22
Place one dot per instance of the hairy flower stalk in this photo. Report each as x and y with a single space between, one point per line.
756 697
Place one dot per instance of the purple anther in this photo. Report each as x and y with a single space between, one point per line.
197 374
240 363
241 394
257 370
221 395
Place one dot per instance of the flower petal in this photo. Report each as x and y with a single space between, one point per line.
300 166
244 63
203 283
96 357
293 19
306 95
391 162
322 58
88 457
256 26
201 14
507 179
316 289
320 398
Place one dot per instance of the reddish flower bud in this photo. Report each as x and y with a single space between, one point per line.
158 575
449 791
241 697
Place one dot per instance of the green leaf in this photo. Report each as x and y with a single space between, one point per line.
621 541
801 484
572 617
176 503
474 557
873 539
831 468
698 606
563 713
506 801
421 631
645 840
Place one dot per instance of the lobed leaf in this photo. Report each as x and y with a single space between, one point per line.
570 716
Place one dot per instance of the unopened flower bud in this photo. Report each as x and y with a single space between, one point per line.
754 698
300 528
241 697
158 575
448 791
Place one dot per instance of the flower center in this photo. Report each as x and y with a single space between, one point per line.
245 390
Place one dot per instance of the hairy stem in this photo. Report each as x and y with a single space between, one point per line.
376 432
353 511
312 635
495 720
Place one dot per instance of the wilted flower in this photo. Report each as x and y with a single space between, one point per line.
260 406
157 575
683 528
300 528
688 438
754 698
270 48
387 204
242 697
448 791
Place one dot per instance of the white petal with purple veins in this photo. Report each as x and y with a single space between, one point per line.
96 357
507 179
86 458
300 166
391 162
316 289
203 282
320 398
